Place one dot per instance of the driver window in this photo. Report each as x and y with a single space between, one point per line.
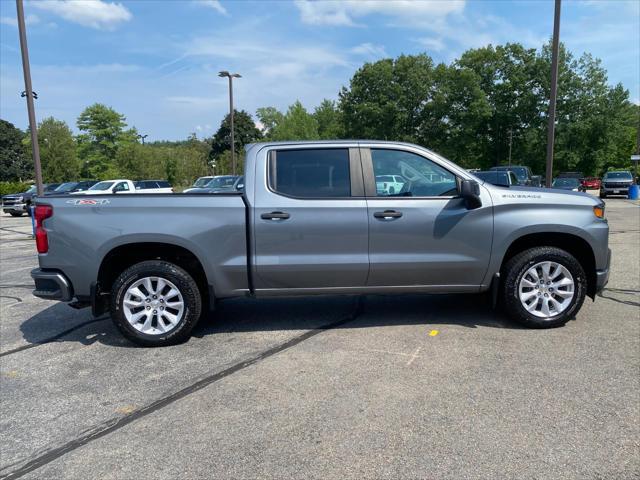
405 174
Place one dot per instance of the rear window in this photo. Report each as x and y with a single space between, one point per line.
311 173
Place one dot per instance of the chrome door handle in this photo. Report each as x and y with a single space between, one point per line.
387 214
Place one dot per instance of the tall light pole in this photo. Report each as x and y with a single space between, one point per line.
29 94
554 91
231 76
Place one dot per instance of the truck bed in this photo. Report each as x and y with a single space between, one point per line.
84 230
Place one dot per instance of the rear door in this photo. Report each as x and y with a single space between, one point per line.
423 235
310 219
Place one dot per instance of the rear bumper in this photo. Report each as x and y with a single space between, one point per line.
52 285
602 276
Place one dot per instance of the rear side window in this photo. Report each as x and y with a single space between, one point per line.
163 184
312 173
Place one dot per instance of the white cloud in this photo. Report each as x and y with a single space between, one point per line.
369 50
431 44
13 22
214 4
344 12
90 13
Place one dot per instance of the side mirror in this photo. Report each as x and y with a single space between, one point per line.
470 192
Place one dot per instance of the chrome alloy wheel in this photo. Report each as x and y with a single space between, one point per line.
153 305
546 289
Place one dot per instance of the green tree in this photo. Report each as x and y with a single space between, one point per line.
58 155
244 131
296 124
328 118
270 118
103 132
15 164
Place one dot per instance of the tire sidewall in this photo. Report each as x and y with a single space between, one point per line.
183 282
522 265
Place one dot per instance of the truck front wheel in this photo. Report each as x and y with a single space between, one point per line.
155 303
544 287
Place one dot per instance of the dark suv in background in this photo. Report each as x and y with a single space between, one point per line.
616 183
524 174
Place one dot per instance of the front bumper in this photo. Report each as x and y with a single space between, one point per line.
52 285
602 276
615 190
15 208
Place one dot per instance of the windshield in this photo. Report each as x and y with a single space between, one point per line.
32 189
623 175
566 182
202 181
66 187
521 172
221 182
102 186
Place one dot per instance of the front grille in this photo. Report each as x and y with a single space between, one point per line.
616 185
9 202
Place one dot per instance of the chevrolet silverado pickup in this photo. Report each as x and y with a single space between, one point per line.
312 220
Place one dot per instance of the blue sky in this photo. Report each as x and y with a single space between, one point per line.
156 61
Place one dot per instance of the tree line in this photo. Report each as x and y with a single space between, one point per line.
487 104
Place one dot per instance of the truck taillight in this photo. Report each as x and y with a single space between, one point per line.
40 214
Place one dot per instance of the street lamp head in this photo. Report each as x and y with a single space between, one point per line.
225 73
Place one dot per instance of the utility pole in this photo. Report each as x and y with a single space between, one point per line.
510 143
231 76
29 94
142 137
554 91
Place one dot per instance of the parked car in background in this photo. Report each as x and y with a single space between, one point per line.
153 186
590 183
17 204
202 181
221 181
389 184
71 187
524 174
109 186
616 183
311 221
566 183
500 178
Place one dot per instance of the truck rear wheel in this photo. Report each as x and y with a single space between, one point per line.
155 303
544 287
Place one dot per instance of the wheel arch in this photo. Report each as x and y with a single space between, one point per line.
573 244
122 256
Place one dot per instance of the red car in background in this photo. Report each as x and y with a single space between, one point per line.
590 183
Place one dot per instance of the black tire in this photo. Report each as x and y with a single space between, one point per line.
183 282
517 266
15 214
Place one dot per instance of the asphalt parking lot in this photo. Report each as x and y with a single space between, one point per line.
340 387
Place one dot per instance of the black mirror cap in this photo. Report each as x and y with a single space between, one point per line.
470 192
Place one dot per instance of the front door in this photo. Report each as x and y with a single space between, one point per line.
421 233
310 220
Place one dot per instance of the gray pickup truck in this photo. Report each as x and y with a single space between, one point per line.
311 220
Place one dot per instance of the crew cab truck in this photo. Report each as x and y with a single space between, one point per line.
311 220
